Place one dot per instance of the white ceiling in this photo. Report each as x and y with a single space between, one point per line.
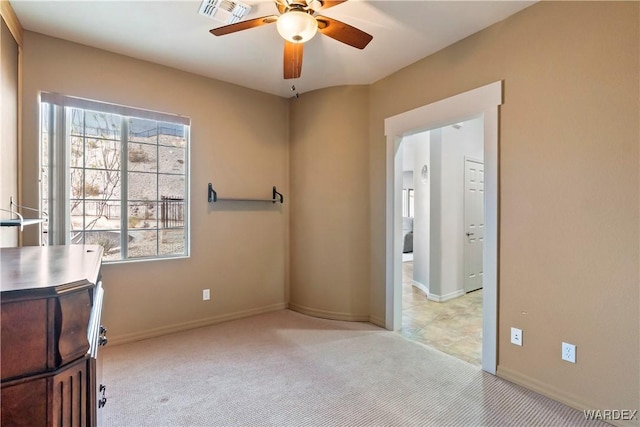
172 33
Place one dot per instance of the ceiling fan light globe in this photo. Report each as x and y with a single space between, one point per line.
297 26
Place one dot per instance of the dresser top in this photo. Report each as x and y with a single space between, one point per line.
48 269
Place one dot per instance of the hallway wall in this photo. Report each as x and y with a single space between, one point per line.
419 157
439 203
455 146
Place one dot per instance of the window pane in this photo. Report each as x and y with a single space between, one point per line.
405 204
142 215
45 185
77 183
143 186
171 186
77 121
45 169
171 212
142 243
44 133
77 151
102 125
77 214
171 134
77 208
411 203
171 160
102 154
143 158
100 215
141 130
102 184
109 209
109 240
172 242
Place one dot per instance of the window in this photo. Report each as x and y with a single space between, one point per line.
115 176
410 203
407 202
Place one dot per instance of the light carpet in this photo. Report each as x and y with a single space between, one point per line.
287 369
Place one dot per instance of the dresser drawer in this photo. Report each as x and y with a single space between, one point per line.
24 332
28 323
60 398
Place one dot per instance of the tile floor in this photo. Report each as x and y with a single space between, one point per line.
453 327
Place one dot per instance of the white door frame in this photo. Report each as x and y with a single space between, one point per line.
483 101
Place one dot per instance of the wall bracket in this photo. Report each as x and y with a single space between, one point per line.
17 220
213 197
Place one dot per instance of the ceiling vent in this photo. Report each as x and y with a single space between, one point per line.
225 11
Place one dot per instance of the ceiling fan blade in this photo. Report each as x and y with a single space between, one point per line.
292 59
342 32
244 25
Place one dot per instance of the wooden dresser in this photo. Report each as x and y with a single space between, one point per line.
51 301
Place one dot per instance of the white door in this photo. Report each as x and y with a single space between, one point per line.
473 224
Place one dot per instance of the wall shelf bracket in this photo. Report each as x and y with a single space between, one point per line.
17 220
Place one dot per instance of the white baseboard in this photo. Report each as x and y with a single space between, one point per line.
333 315
421 286
164 330
446 297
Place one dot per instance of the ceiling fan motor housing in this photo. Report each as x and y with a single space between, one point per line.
297 23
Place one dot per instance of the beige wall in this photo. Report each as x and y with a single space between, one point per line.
239 142
9 133
569 217
330 203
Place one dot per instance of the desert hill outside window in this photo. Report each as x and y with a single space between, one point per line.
114 176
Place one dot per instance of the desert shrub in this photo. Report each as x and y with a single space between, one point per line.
133 221
106 243
138 156
91 189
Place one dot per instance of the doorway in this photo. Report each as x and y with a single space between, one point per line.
483 102
442 168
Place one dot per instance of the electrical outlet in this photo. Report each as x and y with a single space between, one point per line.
206 295
569 352
516 336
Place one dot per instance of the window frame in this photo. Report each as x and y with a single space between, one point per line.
408 203
58 165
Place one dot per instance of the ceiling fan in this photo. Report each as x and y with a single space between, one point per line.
297 24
